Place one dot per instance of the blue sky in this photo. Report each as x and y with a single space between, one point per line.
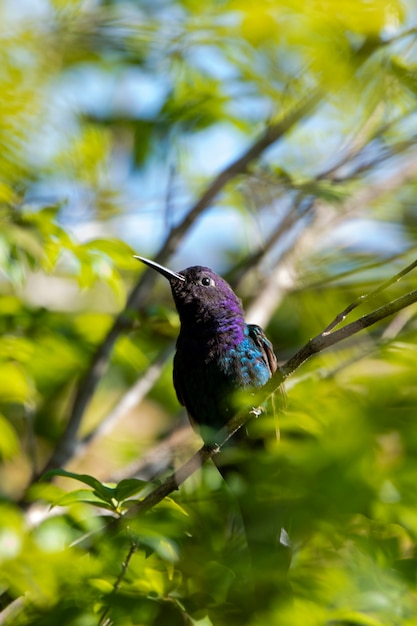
140 94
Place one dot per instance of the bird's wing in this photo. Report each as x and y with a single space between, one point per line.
262 342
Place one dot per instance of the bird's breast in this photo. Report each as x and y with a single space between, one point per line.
209 376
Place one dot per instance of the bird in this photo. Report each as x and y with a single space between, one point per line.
218 355
219 360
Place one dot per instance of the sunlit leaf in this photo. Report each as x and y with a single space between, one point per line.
128 487
103 492
15 385
9 442
102 585
169 503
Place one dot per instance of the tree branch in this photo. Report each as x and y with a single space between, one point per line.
104 620
129 400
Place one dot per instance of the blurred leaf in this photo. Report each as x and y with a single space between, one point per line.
196 102
92 326
9 442
102 585
44 491
130 352
119 252
86 155
11 532
407 75
166 550
17 348
15 385
169 503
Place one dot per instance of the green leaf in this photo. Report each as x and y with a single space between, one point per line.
128 487
44 491
169 503
15 384
118 251
104 586
355 618
9 442
78 495
164 547
103 492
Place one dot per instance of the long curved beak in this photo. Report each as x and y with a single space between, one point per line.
169 274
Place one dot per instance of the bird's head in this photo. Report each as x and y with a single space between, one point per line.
200 295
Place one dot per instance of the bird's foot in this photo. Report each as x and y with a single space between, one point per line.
256 411
214 448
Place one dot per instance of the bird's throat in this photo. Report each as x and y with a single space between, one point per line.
224 333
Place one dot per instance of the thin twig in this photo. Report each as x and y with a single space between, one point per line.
320 218
349 273
104 621
284 226
366 297
128 401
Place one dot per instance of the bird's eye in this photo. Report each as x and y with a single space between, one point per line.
206 281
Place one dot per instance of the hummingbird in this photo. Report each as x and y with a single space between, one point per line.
218 358
218 355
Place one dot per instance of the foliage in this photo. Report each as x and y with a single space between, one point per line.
121 129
